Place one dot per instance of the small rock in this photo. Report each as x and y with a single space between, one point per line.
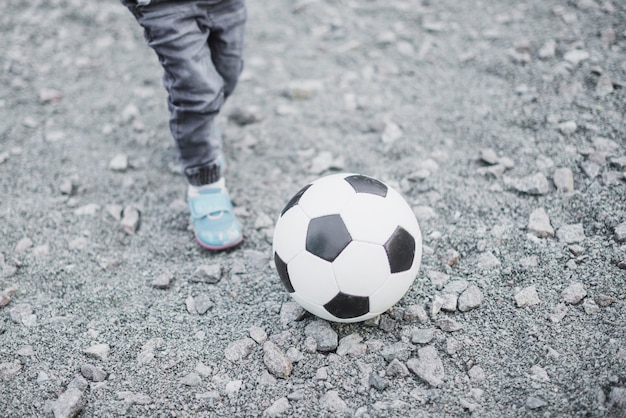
539 224
449 325
558 313
202 303
240 349
455 287
437 279
527 297
377 382
291 312
487 261
321 373
453 346
571 234
398 350
449 301
539 374
49 95
568 127
415 313
325 337
93 373
211 274
573 293
191 379
258 334
547 51
203 370
66 187
69 404
294 355
163 281
604 300
279 407
428 366
245 116
333 403
233 387
276 361
604 85
489 156
119 163
303 89
23 245
397 369
422 336
476 374
351 345
470 299
620 232
78 244
8 371
617 399
90 209
536 184
563 179
590 307
532 402
391 133
98 351
576 56
130 220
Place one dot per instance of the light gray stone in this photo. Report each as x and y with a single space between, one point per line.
240 349
279 407
539 224
291 312
449 325
69 404
325 337
535 184
620 232
331 402
422 336
98 351
428 366
573 293
571 234
563 179
207 273
527 297
470 299
93 373
276 360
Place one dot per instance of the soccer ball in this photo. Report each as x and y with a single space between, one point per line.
347 247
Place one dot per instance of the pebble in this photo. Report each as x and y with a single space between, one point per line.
391 133
571 234
203 370
399 350
119 163
191 379
49 95
93 373
325 337
563 179
258 334
617 399
133 398
567 127
539 374
279 407
535 184
207 273
321 373
573 293
351 345
303 89
476 374
331 402
22 313
294 354
8 371
240 349
539 224
266 379
532 402
276 360
449 325
245 116
548 50
78 244
470 299
415 313
448 302
604 300
90 209
437 278
604 85
377 382
489 156
69 404
98 351
487 261
396 369
527 297
590 307
202 303
23 245
422 336
558 313
233 387
428 366
163 281
576 56
291 312
455 287
619 233
131 217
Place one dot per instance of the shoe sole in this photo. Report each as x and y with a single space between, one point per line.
219 248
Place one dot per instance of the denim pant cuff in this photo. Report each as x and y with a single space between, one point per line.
200 176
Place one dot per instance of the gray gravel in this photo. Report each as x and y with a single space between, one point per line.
502 123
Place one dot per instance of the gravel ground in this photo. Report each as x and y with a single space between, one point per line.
502 123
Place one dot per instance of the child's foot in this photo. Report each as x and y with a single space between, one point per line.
213 218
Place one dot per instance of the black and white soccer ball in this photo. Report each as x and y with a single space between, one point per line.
347 247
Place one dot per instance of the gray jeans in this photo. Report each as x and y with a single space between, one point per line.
200 45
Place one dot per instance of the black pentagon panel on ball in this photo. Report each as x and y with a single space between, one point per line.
400 249
365 184
346 306
281 267
295 199
327 236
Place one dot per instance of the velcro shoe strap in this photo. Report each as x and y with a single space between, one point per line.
204 205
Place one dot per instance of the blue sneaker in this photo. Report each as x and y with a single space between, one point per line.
213 218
